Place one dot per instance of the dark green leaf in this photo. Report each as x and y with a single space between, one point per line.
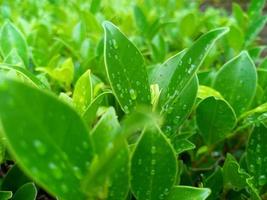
27 191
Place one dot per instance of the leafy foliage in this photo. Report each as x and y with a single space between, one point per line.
132 100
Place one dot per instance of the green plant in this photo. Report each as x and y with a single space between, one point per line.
90 113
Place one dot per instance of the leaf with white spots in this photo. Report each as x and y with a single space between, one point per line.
83 92
256 155
126 70
177 98
153 166
50 142
115 177
190 63
188 193
215 119
237 81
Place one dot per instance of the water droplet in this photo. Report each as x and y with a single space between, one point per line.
152 172
189 61
118 86
132 94
40 147
166 191
77 172
64 188
55 170
139 161
153 149
116 56
115 45
153 161
138 83
126 109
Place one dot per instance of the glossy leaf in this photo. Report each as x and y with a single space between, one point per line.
190 63
126 69
5 195
83 92
237 82
27 191
233 175
215 119
189 193
215 183
53 130
153 166
256 154
116 175
11 38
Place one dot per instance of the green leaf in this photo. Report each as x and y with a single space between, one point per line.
255 27
5 195
11 38
256 154
182 145
237 82
233 175
188 24
215 183
153 166
14 179
189 193
90 113
115 177
49 129
25 73
178 97
255 8
126 69
13 58
189 64
83 92
215 119
27 191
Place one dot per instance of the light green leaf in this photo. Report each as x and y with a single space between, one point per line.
215 119
126 69
27 191
115 177
13 58
11 38
46 128
255 8
256 154
237 82
83 92
153 166
188 193
205 92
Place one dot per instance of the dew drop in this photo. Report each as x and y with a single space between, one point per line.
77 172
153 149
40 147
262 180
132 94
55 170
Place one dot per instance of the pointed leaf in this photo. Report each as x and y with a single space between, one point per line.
126 69
153 166
189 193
53 130
237 82
12 38
5 195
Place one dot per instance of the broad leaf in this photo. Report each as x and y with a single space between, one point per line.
189 193
215 119
153 166
27 191
126 69
11 38
53 130
256 154
237 82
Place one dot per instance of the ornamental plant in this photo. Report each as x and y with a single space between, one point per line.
165 103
